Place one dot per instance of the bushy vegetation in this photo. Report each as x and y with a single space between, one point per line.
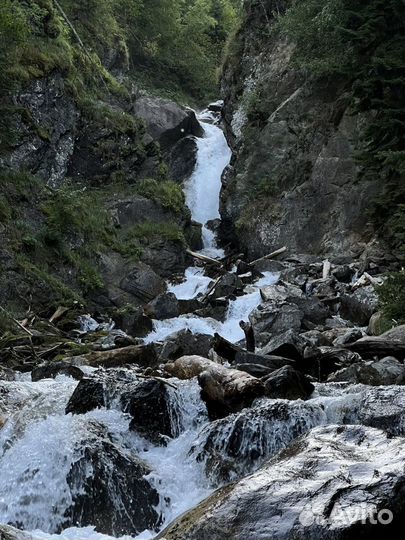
392 297
167 193
173 46
363 43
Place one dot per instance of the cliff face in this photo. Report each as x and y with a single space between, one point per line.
293 179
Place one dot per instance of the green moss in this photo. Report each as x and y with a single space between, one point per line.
5 210
168 194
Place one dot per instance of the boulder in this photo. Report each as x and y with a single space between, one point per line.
359 306
343 273
50 370
289 344
237 445
276 319
386 371
166 121
142 355
133 320
320 362
143 283
150 406
390 343
109 489
280 292
348 337
6 374
334 483
164 306
313 309
287 383
88 395
226 390
184 343
182 160
227 285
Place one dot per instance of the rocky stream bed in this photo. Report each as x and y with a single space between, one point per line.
167 423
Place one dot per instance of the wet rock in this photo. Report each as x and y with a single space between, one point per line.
164 306
50 370
276 319
110 491
226 390
113 339
234 446
305 492
185 343
182 160
6 374
383 372
229 284
10 533
88 395
133 321
287 383
359 305
150 406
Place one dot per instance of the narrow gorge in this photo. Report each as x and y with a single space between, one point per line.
202 306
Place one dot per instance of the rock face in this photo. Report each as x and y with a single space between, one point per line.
292 179
297 494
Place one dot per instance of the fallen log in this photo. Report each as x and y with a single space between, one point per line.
143 355
326 269
227 390
377 346
187 367
203 258
271 255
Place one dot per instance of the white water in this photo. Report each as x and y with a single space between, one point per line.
203 188
195 283
238 310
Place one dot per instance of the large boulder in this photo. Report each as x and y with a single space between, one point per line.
359 306
151 408
132 320
184 343
237 445
50 370
88 395
164 306
109 489
334 483
142 282
275 318
288 344
166 121
287 383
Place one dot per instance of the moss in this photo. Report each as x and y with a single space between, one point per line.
168 194
5 210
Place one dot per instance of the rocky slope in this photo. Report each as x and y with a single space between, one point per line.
293 179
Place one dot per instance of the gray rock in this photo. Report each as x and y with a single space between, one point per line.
288 344
88 395
360 305
274 318
133 321
6 374
272 362
348 337
313 309
305 491
280 292
383 372
142 282
185 343
182 159
164 306
287 383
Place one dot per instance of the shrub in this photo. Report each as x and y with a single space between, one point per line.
392 297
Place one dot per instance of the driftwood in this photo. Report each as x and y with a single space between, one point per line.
370 347
271 255
249 336
203 258
187 367
144 355
326 269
